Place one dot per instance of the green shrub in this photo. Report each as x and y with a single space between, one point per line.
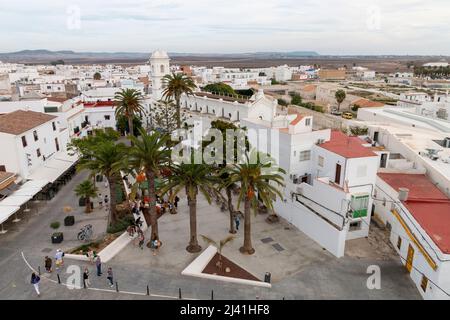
282 102
121 225
296 99
55 225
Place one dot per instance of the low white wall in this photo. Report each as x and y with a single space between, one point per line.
313 226
198 265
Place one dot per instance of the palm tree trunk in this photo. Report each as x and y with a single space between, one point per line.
113 199
193 246
230 209
247 247
130 126
177 100
88 205
151 217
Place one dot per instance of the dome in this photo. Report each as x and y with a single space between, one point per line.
159 54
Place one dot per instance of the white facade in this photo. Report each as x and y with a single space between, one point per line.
159 64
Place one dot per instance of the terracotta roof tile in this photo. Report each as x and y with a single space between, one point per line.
21 121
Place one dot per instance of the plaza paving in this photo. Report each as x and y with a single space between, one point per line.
300 268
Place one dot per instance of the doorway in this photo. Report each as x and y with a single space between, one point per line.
409 258
383 160
337 177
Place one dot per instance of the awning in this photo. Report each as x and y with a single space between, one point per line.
54 167
6 212
15 201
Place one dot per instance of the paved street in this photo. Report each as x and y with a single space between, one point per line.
301 270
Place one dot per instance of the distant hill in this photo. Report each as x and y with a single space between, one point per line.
46 56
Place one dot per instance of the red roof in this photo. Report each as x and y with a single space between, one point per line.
347 147
364 103
99 104
297 119
429 206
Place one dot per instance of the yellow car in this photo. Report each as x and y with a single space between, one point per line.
347 115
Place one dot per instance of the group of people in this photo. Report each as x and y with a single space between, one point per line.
163 205
98 265
48 264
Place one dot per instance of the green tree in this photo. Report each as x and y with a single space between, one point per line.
97 76
256 177
220 88
128 104
192 178
106 158
149 153
164 116
176 85
282 102
296 99
340 97
123 126
87 190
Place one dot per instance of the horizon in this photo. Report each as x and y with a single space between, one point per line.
330 28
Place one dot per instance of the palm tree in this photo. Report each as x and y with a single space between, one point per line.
128 105
107 158
219 246
193 178
255 175
228 190
149 153
340 97
87 190
176 85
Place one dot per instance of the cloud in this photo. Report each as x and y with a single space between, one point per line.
327 26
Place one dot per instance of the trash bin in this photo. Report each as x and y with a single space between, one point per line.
267 277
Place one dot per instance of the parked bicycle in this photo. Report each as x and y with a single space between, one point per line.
85 233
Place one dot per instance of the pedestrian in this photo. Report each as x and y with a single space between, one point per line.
59 261
237 222
141 240
106 199
48 264
86 281
138 222
155 244
35 282
100 200
110 277
98 264
176 201
106 184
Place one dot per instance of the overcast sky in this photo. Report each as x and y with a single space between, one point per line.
227 26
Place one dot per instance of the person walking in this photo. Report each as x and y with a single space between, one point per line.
110 277
48 264
141 239
35 279
100 200
98 264
176 201
86 281
59 261
237 222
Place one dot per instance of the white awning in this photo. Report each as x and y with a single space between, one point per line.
53 168
6 212
26 192
34 184
14 201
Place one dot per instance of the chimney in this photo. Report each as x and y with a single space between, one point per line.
403 194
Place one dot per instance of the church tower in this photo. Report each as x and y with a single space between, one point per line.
159 64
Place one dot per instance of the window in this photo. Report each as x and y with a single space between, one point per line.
305 155
38 152
54 126
24 141
424 283
107 117
35 135
49 87
320 162
162 68
354 226
56 144
307 121
399 243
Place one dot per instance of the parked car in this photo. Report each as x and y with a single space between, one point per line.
335 112
347 115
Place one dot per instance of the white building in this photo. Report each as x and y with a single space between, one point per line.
417 214
317 163
30 140
159 64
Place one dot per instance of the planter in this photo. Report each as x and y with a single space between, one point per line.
57 237
99 178
69 221
82 202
